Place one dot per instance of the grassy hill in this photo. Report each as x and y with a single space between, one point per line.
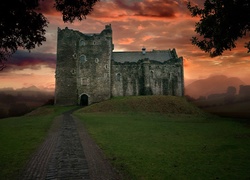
164 137
145 137
154 104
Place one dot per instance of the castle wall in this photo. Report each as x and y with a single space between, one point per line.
126 79
147 77
66 83
93 62
87 71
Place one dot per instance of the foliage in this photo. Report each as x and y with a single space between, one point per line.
18 102
18 109
160 146
23 26
20 26
77 9
221 24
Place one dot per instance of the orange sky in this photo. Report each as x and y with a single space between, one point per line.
155 24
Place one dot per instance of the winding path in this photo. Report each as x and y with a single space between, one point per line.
69 153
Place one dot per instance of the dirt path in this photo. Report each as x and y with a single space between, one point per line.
69 153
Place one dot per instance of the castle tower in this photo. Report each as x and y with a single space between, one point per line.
66 84
83 67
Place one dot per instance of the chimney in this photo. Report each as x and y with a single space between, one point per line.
143 50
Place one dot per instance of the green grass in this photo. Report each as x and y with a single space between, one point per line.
160 104
170 146
20 136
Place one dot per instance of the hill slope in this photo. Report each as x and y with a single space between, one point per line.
161 104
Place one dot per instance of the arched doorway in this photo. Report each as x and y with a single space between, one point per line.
84 100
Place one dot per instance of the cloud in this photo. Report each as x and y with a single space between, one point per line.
126 41
47 8
25 60
149 8
155 24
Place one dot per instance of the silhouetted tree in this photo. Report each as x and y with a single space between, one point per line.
231 90
189 98
230 95
3 113
74 9
222 23
23 26
49 102
18 109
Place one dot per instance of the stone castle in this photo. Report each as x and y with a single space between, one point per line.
88 71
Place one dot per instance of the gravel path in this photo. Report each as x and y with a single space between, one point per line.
69 153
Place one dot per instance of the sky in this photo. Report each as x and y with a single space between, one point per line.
154 24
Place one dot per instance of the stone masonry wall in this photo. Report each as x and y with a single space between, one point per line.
147 78
85 70
94 52
66 83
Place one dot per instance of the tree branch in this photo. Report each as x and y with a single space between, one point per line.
2 66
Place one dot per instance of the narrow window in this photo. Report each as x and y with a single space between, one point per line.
74 55
96 60
152 73
118 77
81 42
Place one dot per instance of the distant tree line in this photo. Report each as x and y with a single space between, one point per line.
21 103
229 97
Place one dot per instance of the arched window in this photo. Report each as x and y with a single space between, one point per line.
83 59
74 55
118 77
152 73
81 42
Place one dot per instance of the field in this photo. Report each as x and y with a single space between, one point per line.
20 136
182 144
147 137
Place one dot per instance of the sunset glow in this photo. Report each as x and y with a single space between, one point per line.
158 24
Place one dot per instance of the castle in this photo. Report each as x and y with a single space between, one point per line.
88 71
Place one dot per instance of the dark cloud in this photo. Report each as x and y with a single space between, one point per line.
149 8
25 60
47 7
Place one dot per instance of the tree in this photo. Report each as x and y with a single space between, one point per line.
23 26
222 23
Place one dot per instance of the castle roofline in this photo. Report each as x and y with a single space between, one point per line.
153 50
134 56
107 28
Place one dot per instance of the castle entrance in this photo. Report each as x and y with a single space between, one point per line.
84 101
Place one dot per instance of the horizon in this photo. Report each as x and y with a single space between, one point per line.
222 88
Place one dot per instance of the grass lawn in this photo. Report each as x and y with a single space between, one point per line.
170 146
20 136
